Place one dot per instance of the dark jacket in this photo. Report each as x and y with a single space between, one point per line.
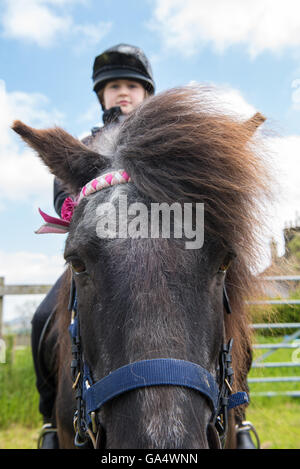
111 117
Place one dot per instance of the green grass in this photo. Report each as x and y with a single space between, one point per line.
20 419
18 395
277 419
277 422
19 437
280 355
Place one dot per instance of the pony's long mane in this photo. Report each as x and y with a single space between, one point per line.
179 146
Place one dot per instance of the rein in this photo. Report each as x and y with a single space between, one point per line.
92 396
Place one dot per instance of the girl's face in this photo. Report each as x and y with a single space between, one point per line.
126 94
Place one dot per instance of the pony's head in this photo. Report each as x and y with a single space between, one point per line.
143 295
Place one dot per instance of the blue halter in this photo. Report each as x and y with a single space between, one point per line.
155 372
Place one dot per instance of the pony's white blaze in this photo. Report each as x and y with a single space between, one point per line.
167 424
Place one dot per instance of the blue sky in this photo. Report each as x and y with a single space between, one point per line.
249 50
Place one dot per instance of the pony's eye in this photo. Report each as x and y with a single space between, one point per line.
78 266
226 262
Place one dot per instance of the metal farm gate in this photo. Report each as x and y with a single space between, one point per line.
290 341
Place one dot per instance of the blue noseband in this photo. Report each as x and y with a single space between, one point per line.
154 372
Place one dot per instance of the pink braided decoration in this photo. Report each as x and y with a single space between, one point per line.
101 182
61 225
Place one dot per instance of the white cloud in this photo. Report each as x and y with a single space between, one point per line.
286 151
33 20
284 160
45 268
90 34
229 100
23 267
296 94
187 25
233 100
22 174
45 22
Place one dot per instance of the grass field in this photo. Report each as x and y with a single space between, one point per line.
20 420
276 419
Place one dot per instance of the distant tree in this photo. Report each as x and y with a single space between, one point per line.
293 247
25 311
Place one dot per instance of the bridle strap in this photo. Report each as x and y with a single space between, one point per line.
112 178
156 372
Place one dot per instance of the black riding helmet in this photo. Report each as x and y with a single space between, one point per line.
120 62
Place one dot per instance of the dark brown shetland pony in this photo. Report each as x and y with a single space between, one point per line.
148 298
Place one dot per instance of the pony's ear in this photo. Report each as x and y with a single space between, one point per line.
66 157
254 122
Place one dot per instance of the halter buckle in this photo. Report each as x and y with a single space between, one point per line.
74 386
228 385
94 422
